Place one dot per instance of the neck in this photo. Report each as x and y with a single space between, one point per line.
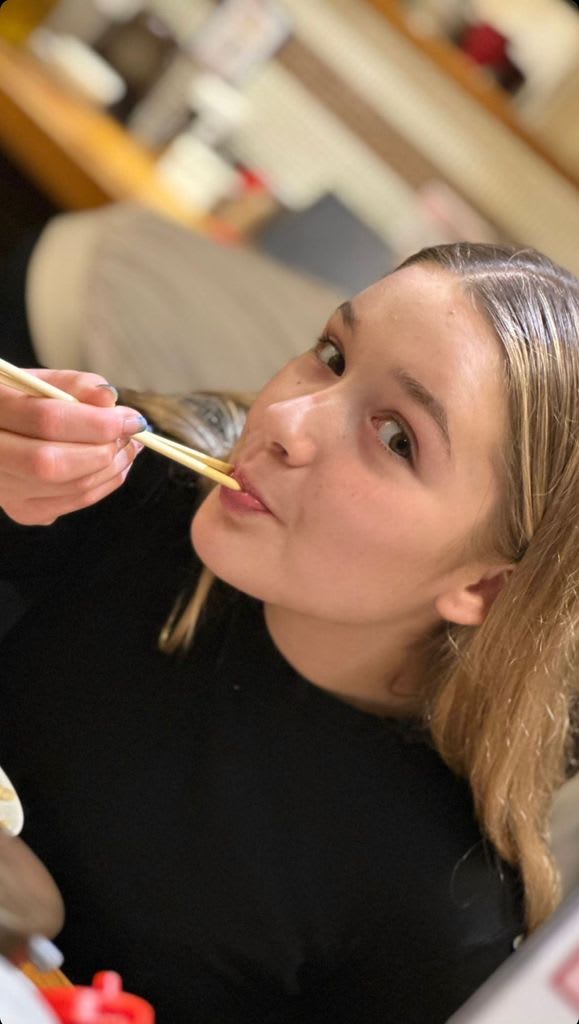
367 666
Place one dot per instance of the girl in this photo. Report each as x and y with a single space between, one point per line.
330 801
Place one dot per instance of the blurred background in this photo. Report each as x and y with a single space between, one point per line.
336 135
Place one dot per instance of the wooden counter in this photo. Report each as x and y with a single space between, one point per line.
77 155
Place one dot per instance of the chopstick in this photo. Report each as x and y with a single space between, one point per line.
206 465
45 979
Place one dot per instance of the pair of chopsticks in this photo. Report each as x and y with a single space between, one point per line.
206 465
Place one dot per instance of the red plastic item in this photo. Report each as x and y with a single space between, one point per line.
103 1003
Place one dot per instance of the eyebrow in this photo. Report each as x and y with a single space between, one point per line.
423 397
416 391
349 317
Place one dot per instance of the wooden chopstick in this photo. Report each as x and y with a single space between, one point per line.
45 979
206 465
209 460
4 379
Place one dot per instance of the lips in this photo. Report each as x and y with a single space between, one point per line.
249 489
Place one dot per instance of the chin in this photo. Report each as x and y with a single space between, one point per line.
223 553
204 535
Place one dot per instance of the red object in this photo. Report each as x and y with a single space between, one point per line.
103 1003
485 45
252 180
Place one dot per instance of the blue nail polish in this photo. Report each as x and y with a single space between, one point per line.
134 424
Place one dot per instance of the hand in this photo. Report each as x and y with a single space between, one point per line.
56 456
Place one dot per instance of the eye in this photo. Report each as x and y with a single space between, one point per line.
392 435
328 353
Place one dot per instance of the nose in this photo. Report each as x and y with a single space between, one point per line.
299 429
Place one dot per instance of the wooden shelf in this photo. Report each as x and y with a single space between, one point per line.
458 66
77 155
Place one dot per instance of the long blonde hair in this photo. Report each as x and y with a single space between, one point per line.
501 696
504 692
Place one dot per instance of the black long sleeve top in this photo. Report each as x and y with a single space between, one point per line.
239 844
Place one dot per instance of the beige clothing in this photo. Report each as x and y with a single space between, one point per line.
150 304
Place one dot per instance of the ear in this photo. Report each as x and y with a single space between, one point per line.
469 604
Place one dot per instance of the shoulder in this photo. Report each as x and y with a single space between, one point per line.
446 864
434 883
391 976
441 911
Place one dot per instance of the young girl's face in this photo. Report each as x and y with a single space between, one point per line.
375 453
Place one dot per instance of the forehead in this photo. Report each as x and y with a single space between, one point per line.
422 320
432 310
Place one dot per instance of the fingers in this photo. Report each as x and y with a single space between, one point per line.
57 456
41 511
46 476
85 387
50 419
28 459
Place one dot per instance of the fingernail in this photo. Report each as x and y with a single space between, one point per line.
134 424
111 388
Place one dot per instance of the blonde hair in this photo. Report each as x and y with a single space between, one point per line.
504 693
501 695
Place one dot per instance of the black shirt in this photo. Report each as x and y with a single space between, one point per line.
238 843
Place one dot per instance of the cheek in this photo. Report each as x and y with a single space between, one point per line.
350 550
362 557
392 537
353 530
